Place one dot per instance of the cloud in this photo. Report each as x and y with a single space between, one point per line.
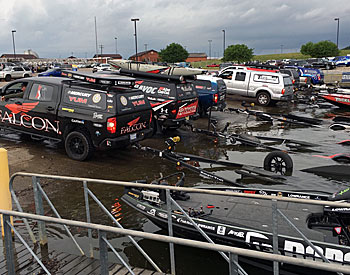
58 28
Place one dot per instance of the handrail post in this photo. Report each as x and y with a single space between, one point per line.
39 210
232 264
88 217
10 260
103 252
170 230
275 235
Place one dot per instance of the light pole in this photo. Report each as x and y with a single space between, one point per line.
13 44
281 49
135 20
96 38
210 47
337 19
116 45
223 52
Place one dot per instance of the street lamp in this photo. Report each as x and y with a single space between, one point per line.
223 52
337 19
116 45
135 20
281 49
210 47
13 43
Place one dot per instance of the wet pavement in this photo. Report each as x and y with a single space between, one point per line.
131 164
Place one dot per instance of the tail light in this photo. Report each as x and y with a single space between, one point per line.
215 98
173 111
293 81
112 125
306 80
319 77
283 91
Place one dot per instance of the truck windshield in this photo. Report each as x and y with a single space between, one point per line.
287 81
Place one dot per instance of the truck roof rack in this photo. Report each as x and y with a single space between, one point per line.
101 79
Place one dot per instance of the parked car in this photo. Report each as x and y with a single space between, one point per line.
15 72
102 67
321 63
266 87
211 93
52 72
342 61
293 74
78 111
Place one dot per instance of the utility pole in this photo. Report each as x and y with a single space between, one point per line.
146 47
116 45
101 47
223 52
210 47
337 19
135 34
281 49
13 44
96 38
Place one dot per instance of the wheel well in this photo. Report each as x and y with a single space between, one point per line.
261 91
73 127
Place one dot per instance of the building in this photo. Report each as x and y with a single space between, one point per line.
193 57
19 56
102 58
146 56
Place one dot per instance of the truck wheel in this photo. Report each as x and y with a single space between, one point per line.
279 162
26 75
78 146
8 78
263 98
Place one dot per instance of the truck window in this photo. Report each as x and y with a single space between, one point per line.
85 98
287 81
41 92
226 75
240 76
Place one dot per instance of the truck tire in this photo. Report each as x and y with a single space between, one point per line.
263 98
78 145
8 78
26 75
279 162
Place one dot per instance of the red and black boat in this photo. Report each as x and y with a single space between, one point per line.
340 100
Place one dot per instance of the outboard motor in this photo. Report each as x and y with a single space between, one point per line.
342 195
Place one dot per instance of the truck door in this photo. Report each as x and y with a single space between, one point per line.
42 102
239 83
227 77
17 72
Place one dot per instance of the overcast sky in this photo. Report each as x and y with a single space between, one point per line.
61 27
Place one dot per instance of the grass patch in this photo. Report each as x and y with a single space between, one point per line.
262 58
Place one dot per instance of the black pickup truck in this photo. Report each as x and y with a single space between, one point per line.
174 99
85 111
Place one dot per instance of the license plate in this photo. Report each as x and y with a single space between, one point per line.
132 136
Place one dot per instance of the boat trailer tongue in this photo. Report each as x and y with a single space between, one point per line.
191 162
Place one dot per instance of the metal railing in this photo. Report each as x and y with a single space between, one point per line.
232 258
103 229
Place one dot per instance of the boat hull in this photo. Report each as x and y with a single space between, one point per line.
340 100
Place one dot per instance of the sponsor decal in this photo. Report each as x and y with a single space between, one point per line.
142 207
97 116
77 99
19 117
133 126
123 100
152 212
299 196
110 101
160 105
68 110
79 77
249 191
187 110
96 98
78 93
262 192
344 209
97 125
134 195
139 102
337 230
127 83
107 82
90 79
221 230
77 121
162 215
236 234
152 90
135 97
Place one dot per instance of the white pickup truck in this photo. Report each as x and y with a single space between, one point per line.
15 72
266 87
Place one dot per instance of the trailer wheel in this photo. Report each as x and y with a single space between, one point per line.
78 145
263 98
279 162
